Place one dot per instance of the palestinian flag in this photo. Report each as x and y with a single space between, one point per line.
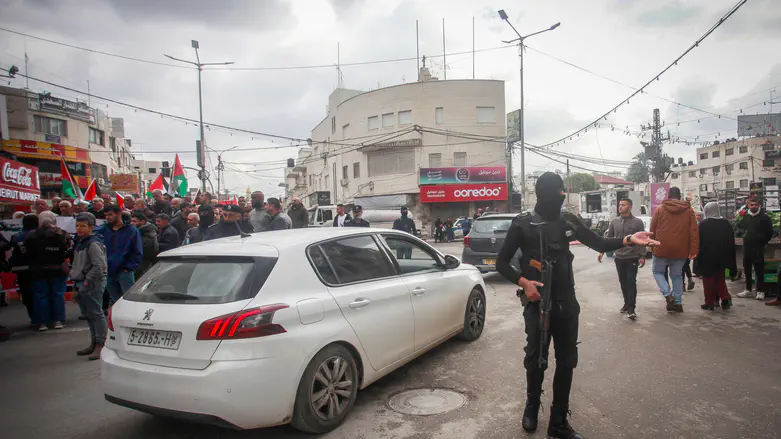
178 186
92 191
120 200
159 183
69 186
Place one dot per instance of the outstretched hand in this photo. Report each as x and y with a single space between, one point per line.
644 238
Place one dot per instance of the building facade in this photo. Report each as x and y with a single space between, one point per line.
371 146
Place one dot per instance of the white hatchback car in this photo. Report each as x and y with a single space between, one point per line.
283 327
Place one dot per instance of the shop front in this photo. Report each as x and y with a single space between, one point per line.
459 192
46 157
19 187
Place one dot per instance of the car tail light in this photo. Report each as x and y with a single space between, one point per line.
247 323
110 321
467 241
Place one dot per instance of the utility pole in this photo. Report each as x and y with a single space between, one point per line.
569 185
221 167
201 147
653 151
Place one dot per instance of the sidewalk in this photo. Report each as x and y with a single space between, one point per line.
14 318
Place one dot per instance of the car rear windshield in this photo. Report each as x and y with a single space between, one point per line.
202 280
490 225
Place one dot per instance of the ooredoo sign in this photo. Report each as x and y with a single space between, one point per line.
456 193
19 182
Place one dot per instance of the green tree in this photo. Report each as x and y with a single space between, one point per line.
641 168
581 182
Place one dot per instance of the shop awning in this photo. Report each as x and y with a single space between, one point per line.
47 151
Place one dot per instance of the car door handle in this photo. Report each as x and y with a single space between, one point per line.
419 291
359 303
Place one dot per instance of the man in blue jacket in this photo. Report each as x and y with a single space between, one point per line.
123 252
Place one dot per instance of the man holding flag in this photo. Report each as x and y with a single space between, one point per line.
178 185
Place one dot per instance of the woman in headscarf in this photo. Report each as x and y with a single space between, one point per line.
716 254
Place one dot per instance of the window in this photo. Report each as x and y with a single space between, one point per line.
743 149
344 172
703 171
321 265
373 122
345 131
492 224
152 171
389 162
716 170
716 186
459 159
333 124
693 174
730 167
744 183
388 120
771 181
411 257
703 188
439 115
768 147
47 125
768 163
356 259
356 170
486 114
715 154
96 136
729 151
405 117
703 156
675 175
730 185
743 165
435 160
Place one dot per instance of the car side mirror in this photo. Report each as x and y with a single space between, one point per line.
451 262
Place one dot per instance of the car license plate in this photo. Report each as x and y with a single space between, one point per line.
489 261
154 339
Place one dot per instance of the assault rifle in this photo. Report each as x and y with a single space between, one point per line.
545 267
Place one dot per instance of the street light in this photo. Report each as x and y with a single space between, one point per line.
200 65
519 40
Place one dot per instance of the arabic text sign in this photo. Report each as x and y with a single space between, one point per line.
124 182
75 110
494 174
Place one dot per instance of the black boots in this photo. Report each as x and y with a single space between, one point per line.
530 413
559 427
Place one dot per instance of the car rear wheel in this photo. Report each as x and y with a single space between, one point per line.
474 316
327 391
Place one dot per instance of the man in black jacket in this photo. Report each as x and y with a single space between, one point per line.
167 236
229 224
149 242
557 229
298 214
759 230
405 224
179 222
357 219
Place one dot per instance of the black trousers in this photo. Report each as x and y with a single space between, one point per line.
755 260
25 281
627 277
564 320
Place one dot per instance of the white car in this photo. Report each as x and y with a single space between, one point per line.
283 327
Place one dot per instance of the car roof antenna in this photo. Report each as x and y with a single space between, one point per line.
241 232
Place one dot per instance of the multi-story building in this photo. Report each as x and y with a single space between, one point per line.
380 148
148 170
734 164
40 130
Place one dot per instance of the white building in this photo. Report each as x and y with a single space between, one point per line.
730 165
370 147
148 170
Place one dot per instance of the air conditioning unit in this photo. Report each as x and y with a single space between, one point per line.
344 182
729 172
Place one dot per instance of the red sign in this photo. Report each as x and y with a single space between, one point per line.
455 193
18 182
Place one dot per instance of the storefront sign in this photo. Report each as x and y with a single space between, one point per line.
74 110
774 154
457 193
48 151
124 182
658 194
495 174
19 182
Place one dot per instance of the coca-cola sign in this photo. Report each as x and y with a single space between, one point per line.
19 182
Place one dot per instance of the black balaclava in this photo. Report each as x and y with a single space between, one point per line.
206 214
549 189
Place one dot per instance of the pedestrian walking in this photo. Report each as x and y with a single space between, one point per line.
341 218
466 226
438 230
97 208
674 224
149 244
167 236
449 229
229 224
20 264
192 223
478 214
124 252
258 217
357 218
628 259
88 273
405 224
759 230
548 225
48 248
179 220
160 205
715 255
205 220
279 219
298 214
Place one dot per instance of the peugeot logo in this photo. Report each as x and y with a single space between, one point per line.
493 240
148 314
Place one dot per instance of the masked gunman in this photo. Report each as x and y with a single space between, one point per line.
543 237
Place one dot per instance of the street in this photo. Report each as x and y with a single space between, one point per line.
692 375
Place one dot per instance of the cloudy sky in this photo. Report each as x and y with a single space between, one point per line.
623 43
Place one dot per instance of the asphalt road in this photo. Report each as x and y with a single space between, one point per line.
692 375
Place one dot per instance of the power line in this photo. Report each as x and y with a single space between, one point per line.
654 78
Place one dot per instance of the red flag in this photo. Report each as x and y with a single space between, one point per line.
235 201
92 191
120 200
157 184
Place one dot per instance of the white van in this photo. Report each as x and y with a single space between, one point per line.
323 216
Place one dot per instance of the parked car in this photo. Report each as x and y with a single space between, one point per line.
283 327
481 246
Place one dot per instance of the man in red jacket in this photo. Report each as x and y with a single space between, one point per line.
673 224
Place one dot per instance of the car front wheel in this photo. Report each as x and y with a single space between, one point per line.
327 391
474 316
